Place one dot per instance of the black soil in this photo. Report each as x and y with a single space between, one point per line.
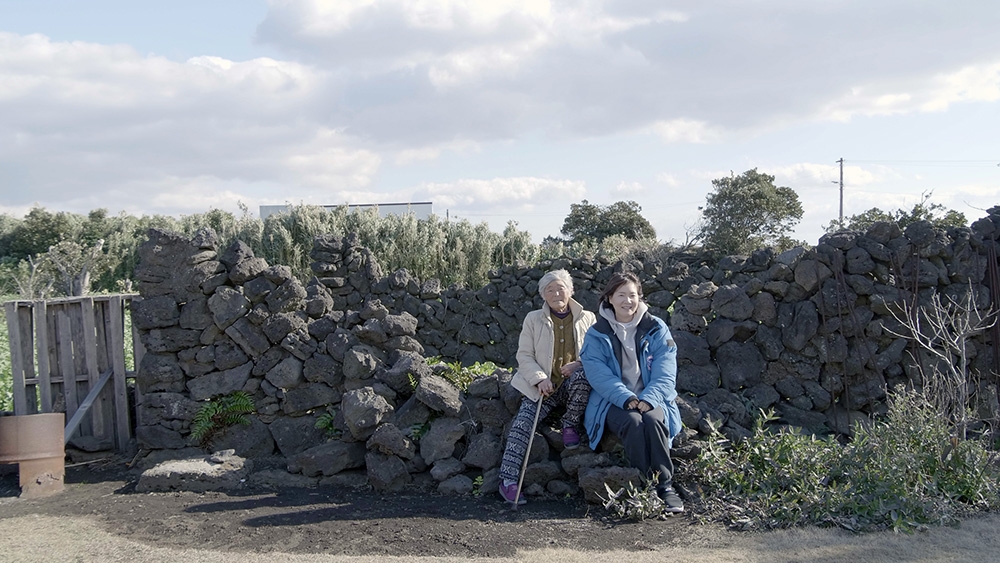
335 520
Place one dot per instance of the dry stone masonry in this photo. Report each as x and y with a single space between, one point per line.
806 332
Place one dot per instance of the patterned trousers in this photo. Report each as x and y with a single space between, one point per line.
573 393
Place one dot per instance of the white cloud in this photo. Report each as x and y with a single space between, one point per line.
627 189
929 93
371 84
482 70
323 17
525 193
975 83
669 179
191 195
87 119
808 174
685 131
433 152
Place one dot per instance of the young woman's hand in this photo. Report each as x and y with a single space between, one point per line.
644 407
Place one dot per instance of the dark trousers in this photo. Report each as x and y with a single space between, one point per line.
646 440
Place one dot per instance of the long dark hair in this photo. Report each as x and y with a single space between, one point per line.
617 280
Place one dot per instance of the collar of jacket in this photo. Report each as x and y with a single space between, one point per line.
574 308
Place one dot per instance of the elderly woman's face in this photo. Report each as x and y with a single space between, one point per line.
556 296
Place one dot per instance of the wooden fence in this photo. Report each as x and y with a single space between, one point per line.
68 355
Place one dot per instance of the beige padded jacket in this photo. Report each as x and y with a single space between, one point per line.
535 345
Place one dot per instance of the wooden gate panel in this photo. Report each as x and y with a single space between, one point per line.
64 368
44 351
123 427
59 351
93 369
19 323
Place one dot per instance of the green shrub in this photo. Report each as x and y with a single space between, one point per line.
417 430
634 503
463 376
899 473
325 423
455 251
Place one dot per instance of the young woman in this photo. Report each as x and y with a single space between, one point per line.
547 366
631 362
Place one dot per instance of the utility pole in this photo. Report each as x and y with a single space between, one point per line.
841 161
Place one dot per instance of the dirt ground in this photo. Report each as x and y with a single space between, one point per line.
100 517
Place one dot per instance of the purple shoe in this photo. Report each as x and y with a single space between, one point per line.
508 492
571 438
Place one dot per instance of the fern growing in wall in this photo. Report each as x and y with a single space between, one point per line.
221 413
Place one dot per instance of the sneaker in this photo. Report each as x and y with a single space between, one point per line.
571 438
672 502
508 492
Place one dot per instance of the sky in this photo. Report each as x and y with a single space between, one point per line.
496 110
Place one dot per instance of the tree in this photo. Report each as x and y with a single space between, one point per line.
935 213
589 222
41 229
26 279
8 226
75 263
747 212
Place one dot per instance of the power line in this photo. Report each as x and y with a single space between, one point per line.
945 163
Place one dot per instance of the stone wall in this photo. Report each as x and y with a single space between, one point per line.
806 332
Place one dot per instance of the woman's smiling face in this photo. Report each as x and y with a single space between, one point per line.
625 301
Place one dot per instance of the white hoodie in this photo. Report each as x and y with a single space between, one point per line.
625 332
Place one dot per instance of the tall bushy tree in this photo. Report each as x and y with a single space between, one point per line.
747 212
587 222
8 227
41 229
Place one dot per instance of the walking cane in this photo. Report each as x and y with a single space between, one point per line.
527 453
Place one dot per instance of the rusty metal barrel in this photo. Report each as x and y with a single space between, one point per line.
35 442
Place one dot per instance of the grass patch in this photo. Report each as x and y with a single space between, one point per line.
461 376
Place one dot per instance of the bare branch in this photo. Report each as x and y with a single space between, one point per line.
942 329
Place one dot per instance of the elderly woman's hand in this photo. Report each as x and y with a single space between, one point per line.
545 387
568 369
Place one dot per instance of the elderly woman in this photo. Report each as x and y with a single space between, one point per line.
631 362
547 366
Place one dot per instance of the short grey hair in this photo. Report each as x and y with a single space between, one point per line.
555 275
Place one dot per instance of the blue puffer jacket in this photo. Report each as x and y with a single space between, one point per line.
601 356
